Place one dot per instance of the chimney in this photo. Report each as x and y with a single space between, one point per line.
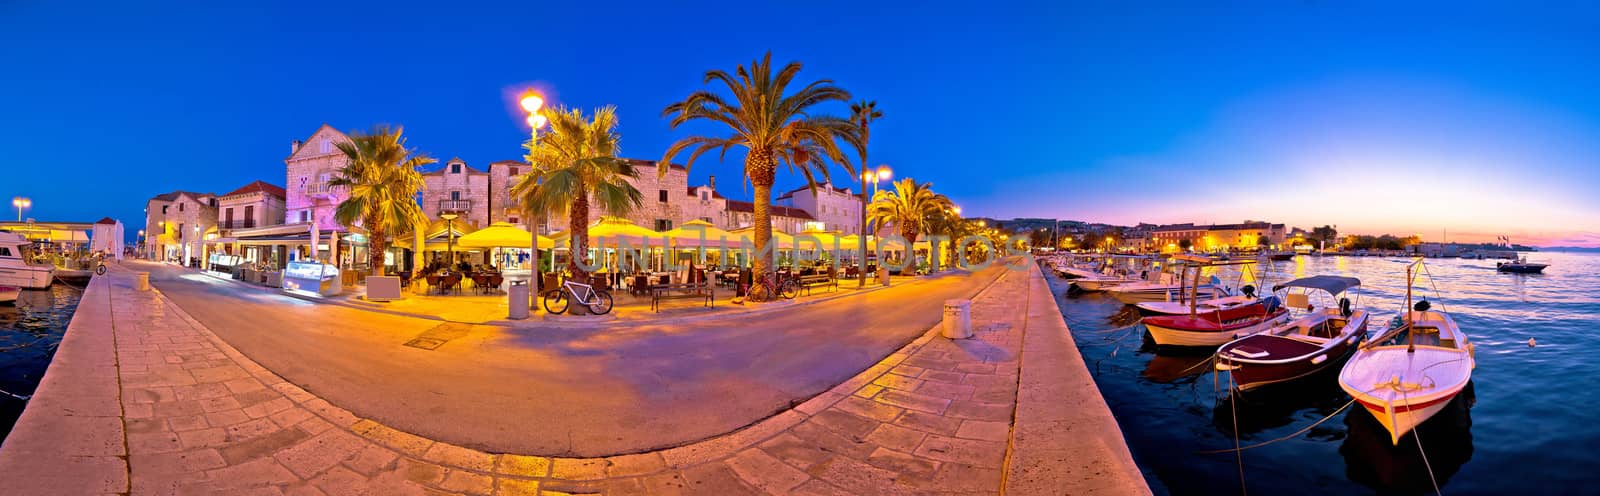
713 182
294 147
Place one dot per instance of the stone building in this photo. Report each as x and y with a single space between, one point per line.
309 167
460 189
177 223
258 204
741 214
834 208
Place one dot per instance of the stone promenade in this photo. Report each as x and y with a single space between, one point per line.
142 399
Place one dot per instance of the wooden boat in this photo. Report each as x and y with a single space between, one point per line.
8 295
1153 308
1137 292
1217 327
1316 340
1522 266
1404 384
17 265
1208 329
1279 256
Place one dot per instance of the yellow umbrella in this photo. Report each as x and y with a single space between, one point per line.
826 240
783 240
501 235
853 242
691 233
612 231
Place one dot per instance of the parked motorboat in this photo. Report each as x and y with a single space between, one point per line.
1404 383
1138 292
8 294
1153 308
1317 339
18 267
1521 266
1279 256
1217 326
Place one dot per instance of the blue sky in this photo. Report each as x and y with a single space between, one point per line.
1479 119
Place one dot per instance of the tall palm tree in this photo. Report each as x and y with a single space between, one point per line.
908 207
574 164
950 223
773 127
383 181
862 115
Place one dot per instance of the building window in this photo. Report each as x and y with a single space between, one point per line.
455 168
305 216
327 146
455 195
663 224
663 196
513 220
227 218
164 209
180 207
513 171
249 215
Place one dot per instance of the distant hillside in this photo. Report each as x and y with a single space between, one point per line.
1580 249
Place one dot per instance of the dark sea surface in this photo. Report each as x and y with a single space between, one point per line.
29 334
1528 424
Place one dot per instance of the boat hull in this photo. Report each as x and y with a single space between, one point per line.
1136 296
9 294
1251 374
26 277
1196 338
1522 269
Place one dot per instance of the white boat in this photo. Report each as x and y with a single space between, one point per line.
17 265
1405 382
1151 308
1138 292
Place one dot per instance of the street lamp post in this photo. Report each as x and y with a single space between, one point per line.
450 239
21 203
531 102
881 174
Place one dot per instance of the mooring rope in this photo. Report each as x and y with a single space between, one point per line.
17 396
1237 453
1417 436
1284 438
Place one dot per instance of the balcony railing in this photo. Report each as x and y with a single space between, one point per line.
319 189
239 224
455 205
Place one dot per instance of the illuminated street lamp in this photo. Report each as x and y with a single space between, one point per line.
21 203
531 102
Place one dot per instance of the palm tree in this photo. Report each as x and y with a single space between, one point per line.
908 207
950 223
573 164
772 127
862 114
383 181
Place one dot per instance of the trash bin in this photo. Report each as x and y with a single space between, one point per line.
142 283
958 319
518 300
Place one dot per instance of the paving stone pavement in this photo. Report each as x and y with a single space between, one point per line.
197 417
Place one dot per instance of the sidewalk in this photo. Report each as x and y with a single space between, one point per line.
197 417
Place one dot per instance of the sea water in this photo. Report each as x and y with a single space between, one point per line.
30 330
1529 423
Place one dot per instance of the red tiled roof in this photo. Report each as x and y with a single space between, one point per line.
791 192
174 195
259 186
106 220
777 210
714 193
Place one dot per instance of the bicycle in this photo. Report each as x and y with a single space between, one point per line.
772 284
557 300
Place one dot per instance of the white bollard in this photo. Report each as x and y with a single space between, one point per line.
142 282
518 301
957 319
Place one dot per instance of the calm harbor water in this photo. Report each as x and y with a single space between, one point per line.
1529 426
29 333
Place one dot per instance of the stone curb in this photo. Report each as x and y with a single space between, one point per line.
553 469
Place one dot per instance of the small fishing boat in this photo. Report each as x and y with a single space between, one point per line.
1312 342
1218 326
1521 266
1153 308
1279 256
18 267
1403 384
1138 292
